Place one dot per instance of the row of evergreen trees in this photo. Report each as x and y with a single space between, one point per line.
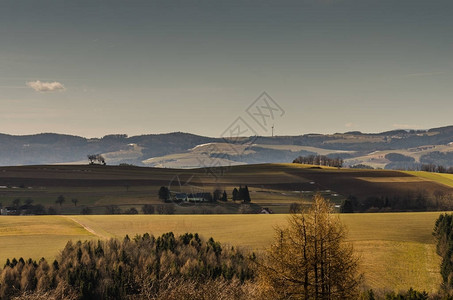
242 194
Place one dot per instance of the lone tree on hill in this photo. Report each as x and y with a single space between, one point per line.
310 259
93 158
74 200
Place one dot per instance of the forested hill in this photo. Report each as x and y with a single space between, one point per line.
173 149
48 148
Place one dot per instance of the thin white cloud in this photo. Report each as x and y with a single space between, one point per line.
40 86
349 125
405 126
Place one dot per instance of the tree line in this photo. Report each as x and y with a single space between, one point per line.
143 267
420 200
27 207
433 168
436 168
319 160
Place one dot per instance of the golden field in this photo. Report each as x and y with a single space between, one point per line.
397 250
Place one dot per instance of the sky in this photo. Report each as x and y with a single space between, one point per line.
92 68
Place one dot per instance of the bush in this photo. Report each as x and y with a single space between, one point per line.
166 209
112 210
131 211
148 209
86 211
347 206
411 294
245 209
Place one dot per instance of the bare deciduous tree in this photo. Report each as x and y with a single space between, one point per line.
93 158
310 258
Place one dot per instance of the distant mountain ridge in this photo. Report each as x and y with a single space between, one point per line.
180 149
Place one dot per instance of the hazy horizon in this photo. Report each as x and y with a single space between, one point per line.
218 136
92 68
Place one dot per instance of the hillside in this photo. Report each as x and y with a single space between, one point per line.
397 250
183 150
271 185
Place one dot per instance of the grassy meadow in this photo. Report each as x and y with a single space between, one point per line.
37 236
446 179
397 250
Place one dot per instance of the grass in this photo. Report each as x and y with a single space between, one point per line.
445 179
37 236
397 249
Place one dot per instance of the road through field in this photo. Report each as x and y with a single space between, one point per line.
37 236
89 229
102 234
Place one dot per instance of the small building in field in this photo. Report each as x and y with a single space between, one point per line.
8 211
196 197
180 197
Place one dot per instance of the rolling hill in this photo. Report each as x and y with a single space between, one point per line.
271 185
184 150
397 250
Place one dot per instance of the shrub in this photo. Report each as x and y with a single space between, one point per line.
148 209
131 211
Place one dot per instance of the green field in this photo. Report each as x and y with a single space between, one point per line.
397 249
446 179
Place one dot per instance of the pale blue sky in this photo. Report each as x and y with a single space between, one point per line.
140 67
